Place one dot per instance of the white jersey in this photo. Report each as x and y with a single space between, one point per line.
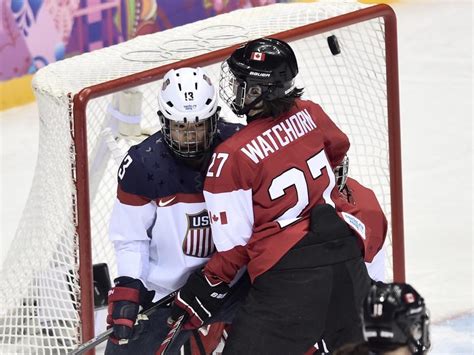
160 226
162 263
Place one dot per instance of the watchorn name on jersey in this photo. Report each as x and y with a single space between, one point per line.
279 135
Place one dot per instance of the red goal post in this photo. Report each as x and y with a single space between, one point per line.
358 88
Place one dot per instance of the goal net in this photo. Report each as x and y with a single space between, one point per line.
94 106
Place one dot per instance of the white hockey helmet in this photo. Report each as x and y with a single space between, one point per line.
188 111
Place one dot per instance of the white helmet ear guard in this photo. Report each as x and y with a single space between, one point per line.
188 111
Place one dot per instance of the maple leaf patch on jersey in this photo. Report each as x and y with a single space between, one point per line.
198 240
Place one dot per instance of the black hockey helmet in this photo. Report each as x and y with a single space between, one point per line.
262 69
395 315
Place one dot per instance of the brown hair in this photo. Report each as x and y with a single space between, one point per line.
276 107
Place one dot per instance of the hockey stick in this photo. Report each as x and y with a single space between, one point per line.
92 343
172 334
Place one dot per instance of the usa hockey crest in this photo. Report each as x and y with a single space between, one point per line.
198 240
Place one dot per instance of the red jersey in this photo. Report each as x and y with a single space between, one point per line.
263 181
359 207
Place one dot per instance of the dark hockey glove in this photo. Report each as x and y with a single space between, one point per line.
200 298
124 303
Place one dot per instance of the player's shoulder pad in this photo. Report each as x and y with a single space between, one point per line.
141 166
230 137
227 129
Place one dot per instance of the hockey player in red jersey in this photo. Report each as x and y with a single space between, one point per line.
160 226
270 191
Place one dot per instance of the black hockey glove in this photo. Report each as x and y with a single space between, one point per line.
200 298
124 303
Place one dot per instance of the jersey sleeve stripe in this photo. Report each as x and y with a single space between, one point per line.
131 199
171 200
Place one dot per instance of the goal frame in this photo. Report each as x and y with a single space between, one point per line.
80 169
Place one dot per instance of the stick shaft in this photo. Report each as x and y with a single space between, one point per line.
172 334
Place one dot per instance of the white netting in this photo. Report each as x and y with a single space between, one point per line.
39 286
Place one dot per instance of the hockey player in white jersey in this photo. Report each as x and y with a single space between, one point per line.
160 227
